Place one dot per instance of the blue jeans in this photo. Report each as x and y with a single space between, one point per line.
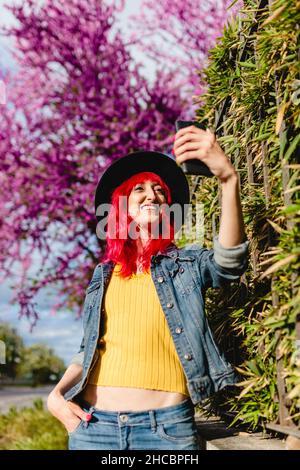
169 428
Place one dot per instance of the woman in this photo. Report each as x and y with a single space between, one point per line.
148 356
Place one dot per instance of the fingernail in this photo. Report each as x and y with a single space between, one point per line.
174 138
173 151
88 417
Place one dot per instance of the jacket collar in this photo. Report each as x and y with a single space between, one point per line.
171 251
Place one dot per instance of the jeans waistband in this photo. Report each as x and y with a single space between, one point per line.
184 410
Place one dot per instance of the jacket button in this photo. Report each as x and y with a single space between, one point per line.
202 388
181 270
178 330
160 279
170 305
188 357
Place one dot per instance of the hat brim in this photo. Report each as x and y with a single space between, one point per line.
136 162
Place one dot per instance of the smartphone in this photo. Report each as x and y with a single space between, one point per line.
194 166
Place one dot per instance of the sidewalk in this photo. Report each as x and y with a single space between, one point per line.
22 396
214 434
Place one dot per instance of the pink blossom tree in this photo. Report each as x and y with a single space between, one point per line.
178 34
77 102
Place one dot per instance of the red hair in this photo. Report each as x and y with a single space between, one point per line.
123 249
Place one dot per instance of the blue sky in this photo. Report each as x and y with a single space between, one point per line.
61 332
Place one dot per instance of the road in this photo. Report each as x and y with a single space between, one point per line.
22 396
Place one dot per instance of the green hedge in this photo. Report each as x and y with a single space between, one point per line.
31 429
255 321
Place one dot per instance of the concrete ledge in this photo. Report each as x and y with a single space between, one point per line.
214 434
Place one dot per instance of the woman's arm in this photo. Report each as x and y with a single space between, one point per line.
232 231
192 142
70 378
69 413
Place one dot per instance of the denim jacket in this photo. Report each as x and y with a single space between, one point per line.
180 276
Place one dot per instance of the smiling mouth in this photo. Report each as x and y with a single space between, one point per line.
153 208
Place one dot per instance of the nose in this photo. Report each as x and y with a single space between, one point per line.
150 195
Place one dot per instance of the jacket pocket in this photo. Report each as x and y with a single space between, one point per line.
93 285
181 431
91 293
184 275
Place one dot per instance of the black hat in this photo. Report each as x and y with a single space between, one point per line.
160 163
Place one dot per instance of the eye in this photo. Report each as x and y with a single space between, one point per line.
138 187
160 190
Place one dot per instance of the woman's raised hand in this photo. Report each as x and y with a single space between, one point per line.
191 142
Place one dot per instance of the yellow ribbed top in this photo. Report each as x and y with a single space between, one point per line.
136 349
